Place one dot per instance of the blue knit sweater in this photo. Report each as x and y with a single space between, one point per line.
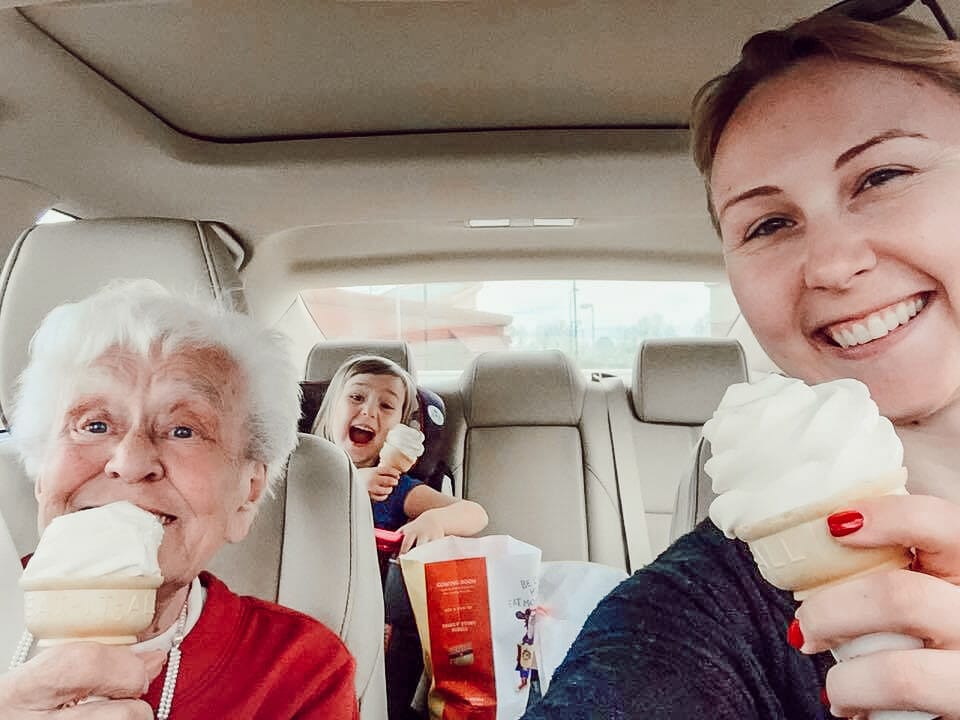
696 634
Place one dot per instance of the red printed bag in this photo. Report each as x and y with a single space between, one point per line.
473 599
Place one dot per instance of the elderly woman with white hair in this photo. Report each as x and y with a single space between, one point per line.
189 412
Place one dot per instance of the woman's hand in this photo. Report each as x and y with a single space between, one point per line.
924 603
51 684
379 481
426 527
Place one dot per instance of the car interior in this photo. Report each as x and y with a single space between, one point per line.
326 167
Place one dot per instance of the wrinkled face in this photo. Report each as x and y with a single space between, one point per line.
167 434
837 187
368 407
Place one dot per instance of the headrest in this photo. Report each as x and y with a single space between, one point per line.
329 355
53 264
522 388
682 381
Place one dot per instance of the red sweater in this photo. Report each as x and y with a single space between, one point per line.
247 658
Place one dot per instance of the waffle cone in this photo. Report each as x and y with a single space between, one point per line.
110 609
795 551
391 456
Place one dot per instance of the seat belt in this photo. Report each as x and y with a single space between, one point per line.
632 509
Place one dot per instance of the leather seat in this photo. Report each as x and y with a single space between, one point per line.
537 455
311 548
677 385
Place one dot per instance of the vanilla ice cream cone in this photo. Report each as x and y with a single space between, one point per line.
787 455
795 551
110 609
404 444
94 576
394 457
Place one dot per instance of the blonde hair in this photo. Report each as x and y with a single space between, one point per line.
896 42
363 365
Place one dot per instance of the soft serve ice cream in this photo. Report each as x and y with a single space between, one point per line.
94 576
781 444
785 456
404 444
116 539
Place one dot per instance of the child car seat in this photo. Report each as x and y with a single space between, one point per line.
430 413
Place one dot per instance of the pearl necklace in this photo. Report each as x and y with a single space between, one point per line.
169 678
173 667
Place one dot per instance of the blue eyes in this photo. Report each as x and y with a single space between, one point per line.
99 427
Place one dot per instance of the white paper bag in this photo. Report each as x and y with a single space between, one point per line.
568 593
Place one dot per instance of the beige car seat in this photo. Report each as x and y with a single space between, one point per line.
537 455
312 546
677 384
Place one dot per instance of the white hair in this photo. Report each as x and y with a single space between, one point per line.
140 315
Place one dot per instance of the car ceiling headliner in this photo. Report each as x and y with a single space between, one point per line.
261 69
383 123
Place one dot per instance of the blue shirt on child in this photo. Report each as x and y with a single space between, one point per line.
388 514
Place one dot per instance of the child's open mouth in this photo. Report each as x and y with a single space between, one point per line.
361 435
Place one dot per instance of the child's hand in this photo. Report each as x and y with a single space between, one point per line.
379 481
425 528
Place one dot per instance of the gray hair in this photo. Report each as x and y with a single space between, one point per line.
140 315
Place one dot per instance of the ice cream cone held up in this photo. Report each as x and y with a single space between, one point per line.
786 456
94 576
404 444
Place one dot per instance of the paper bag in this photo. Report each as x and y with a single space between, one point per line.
473 599
567 594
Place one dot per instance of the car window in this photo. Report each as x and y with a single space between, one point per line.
597 322
54 216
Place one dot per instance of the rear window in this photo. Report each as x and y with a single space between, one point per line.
599 323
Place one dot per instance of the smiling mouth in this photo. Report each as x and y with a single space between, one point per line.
876 325
164 518
360 435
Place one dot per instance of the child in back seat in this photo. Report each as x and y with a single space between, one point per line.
368 396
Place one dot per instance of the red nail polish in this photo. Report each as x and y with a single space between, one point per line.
794 635
823 697
844 522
